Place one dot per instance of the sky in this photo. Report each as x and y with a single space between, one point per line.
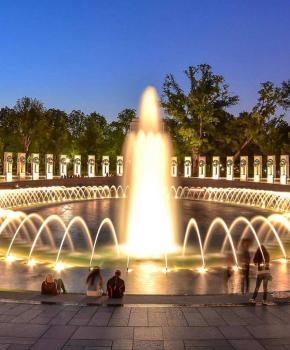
98 55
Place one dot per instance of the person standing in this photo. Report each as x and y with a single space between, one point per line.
262 260
245 259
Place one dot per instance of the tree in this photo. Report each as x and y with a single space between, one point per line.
118 130
196 112
253 125
57 138
29 121
76 126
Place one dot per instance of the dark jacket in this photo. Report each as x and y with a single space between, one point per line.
115 287
49 288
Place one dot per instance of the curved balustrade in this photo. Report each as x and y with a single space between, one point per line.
278 201
20 198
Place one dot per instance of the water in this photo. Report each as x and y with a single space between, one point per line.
147 276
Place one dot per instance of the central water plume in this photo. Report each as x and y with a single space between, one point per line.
149 215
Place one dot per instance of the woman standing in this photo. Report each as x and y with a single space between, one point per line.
95 283
262 260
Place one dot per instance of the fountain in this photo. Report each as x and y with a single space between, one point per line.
149 224
139 226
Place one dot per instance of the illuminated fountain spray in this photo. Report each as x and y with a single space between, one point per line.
149 222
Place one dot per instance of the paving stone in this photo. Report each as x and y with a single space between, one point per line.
230 317
83 316
173 345
48 344
4 346
22 330
59 332
246 344
14 340
235 332
195 319
62 318
26 316
121 344
148 333
18 347
182 333
157 319
100 319
89 343
212 317
110 333
148 345
270 331
220 344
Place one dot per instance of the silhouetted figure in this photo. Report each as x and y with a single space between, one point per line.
51 286
95 283
228 273
262 260
245 259
116 286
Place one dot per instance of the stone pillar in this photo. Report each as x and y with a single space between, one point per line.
187 166
49 166
271 169
21 165
77 165
35 166
244 168
202 167
215 167
63 165
173 166
258 168
120 166
230 168
8 166
106 166
91 166
284 169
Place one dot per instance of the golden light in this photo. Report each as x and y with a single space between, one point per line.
201 269
235 268
31 262
10 258
150 221
282 260
59 267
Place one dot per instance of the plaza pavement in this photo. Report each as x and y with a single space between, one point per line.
29 321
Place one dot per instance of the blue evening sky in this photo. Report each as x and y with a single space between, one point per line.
100 54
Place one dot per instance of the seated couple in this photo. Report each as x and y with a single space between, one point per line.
95 282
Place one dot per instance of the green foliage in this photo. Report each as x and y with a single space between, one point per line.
196 117
199 123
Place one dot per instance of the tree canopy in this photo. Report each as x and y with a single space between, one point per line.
197 116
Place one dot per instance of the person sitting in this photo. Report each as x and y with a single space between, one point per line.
95 283
51 286
116 286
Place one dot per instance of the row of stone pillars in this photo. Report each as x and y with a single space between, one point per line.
244 168
64 160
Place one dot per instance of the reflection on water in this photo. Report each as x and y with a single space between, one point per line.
146 277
